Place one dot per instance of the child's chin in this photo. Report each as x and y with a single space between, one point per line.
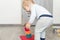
28 11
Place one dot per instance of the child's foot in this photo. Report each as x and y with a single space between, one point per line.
42 38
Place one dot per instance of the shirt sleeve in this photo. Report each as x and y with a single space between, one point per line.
33 15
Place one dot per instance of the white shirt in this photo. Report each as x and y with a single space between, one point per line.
36 11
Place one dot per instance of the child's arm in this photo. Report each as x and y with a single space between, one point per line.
32 17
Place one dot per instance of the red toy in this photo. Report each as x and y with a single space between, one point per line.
26 29
24 37
28 35
27 32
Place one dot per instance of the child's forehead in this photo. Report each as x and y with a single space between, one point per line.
25 3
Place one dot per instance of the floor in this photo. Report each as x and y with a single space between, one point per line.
13 33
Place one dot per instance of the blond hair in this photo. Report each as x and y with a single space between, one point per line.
26 2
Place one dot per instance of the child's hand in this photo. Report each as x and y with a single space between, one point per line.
27 25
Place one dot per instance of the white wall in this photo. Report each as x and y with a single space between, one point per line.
56 11
10 11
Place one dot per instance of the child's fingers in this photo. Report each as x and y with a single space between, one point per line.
27 25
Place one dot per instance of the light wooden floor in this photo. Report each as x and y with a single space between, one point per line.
13 32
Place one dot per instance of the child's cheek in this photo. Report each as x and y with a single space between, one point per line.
27 9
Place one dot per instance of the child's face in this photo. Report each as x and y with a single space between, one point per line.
26 6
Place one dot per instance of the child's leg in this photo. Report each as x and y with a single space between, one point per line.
40 35
43 35
37 36
41 25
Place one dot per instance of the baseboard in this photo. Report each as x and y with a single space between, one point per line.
22 25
